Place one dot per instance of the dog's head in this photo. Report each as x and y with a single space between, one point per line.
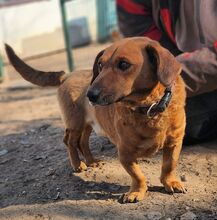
128 66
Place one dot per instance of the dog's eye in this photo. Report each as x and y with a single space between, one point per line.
123 65
100 66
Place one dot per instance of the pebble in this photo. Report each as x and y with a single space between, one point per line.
3 152
154 215
114 187
32 130
91 184
188 216
197 173
50 172
39 157
4 161
44 127
24 192
57 196
183 178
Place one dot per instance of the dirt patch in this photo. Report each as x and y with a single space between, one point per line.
37 182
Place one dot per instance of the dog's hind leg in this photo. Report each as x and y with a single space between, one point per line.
84 147
73 118
71 140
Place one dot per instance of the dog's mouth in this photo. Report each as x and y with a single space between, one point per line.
98 103
106 100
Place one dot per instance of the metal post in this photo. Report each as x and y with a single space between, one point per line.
1 69
66 35
102 29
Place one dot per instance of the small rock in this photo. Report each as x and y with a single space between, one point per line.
146 161
3 152
24 192
57 196
91 184
154 215
26 143
183 178
4 161
40 157
187 208
114 187
188 216
32 130
44 127
197 173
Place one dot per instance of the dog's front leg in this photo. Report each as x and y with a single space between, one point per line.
138 187
168 177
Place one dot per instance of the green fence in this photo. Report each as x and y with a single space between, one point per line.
106 23
66 34
106 19
1 69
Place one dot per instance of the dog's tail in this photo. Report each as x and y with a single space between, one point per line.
34 76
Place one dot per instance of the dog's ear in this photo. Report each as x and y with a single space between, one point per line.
95 66
164 63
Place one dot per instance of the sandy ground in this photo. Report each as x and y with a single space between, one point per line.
37 182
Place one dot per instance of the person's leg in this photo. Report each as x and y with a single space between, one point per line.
201 115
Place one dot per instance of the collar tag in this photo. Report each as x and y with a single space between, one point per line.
164 101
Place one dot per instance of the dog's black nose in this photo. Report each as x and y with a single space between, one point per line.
93 94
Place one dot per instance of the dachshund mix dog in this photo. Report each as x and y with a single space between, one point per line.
134 95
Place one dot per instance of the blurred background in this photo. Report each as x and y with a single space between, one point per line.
55 34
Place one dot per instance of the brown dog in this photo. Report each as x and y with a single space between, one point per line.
129 92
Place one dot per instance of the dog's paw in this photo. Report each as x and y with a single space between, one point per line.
81 167
174 186
132 197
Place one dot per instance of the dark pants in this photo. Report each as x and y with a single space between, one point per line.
201 113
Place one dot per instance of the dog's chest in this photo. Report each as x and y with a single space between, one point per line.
92 120
146 135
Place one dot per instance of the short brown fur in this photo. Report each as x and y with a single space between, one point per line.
134 134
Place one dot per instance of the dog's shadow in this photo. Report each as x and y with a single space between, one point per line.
89 190
158 189
115 191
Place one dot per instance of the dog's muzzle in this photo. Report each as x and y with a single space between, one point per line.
93 95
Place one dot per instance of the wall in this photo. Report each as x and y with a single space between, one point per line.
35 28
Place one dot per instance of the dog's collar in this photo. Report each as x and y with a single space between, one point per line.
156 107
